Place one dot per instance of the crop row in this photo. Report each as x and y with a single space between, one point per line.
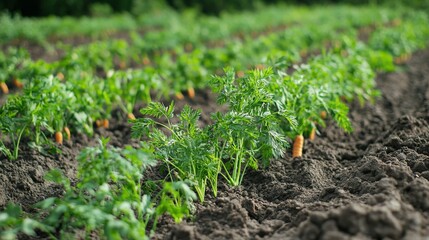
162 28
69 106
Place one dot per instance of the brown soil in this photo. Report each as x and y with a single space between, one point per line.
371 184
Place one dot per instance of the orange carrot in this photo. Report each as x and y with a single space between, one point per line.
179 96
59 137
122 64
240 74
68 135
60 76
131 116
146 61
402 58
4 88
312 135
106 123
191 92
98 123
297 146
17 83
260 66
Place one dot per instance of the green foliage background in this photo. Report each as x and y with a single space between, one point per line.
84 7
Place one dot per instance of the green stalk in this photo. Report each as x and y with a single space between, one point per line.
16 143
237 166
214 180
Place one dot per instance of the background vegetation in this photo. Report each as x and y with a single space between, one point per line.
95 7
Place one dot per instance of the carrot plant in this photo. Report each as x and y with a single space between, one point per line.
24 117
400 41
43 110
11 65
250 133
13 222
129 87
107 199
188 72
183 146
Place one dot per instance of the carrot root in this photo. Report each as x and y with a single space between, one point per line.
59 137
179 96
260 66
240 74
98 123
68 134
17 83
122 65
191 92
146 61
402 58
312 135
131 116
60 76
105 123
4 88
323 114
297 146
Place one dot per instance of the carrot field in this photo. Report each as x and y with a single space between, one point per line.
280 122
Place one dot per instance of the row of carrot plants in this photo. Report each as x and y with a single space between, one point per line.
69 106
162 27
72 106
268 111
185 67
264 111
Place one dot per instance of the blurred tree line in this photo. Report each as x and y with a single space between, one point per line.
103 7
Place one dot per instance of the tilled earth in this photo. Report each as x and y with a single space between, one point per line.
371 184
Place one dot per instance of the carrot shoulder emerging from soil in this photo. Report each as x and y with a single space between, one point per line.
60 76
312 134
68 134
298 144
59 137
17 83
179 96
191 92
98 123
106 123
131 116
4 88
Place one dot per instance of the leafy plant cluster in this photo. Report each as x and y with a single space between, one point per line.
402 39
179 50
43 30
69 103
160 23
108 199
268 108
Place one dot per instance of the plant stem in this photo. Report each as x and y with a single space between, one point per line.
16 144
